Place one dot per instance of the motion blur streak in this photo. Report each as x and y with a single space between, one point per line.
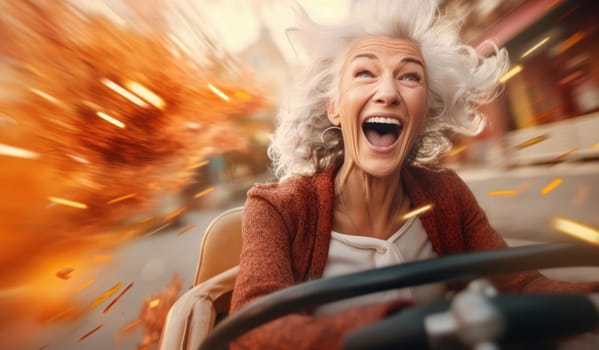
99 300
111 120
532 141
417 211
68 203
146 94
552 185
510 74
91 332
104 103
576 229
121 198
503 193
123 92
17 152
218 92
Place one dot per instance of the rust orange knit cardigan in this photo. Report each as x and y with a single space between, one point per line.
286 232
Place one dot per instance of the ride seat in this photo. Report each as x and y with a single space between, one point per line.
194 314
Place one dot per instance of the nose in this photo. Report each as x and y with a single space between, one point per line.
387 92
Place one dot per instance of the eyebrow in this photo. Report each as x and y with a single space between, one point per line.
374 57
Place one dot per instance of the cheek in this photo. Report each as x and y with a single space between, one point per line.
351 103
417 106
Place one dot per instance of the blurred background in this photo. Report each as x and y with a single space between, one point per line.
127 126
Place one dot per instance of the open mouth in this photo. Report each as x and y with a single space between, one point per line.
382 131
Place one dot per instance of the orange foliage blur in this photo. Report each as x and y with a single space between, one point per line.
62 72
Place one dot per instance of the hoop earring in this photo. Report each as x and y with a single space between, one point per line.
326 130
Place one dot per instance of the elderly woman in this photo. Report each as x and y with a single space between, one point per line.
354 151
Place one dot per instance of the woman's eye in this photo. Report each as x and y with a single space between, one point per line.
364 74
411 77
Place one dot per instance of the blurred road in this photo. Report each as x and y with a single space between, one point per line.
526 214
525 217
150 262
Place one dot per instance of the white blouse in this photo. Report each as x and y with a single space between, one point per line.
351 253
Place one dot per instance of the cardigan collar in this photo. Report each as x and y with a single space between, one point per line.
324 184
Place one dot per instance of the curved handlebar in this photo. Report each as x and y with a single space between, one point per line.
447 268
503 318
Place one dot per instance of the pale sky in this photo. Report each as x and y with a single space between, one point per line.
238 24
235 23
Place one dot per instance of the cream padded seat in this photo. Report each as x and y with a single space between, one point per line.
193 316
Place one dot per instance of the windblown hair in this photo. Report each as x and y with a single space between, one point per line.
458 79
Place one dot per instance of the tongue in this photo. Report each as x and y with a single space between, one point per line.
378 140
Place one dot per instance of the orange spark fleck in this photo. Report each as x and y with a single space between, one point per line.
99 300
552 185
85 284
91 332
68 203
503 193
417 211
185 230
122 198
65 273
571 41
174 214
153 317
130 326
243 95
457 150
204 192
566 154
532 141
198 165
158 229
117 298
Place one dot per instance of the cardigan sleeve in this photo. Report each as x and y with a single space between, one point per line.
265 267
479 235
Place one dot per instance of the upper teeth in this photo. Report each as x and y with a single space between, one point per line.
383 120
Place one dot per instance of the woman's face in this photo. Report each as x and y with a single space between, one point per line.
382 103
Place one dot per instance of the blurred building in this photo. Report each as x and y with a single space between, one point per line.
266 59
549 109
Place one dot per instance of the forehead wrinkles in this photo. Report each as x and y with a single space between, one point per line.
387 46
374 45
394 47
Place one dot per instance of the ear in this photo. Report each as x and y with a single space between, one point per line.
333 113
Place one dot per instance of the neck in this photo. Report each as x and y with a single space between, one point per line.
368 205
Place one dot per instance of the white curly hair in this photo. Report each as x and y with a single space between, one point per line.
459 80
